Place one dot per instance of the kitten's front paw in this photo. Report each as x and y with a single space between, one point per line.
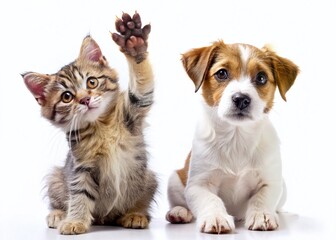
73 227
132 39
55 217
179 215
134 220
261 221
216 223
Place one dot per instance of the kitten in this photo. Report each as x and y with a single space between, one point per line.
105 179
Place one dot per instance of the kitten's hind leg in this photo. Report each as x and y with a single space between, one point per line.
138 216
55 217
134 220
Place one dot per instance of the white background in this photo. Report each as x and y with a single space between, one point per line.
43 36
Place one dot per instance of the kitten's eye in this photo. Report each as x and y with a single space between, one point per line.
92 83
67 97
221 75
261 78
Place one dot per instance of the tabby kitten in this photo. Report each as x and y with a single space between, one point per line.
105 179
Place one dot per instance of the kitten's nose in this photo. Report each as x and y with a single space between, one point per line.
85 101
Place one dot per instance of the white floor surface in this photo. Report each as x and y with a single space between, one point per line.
292 227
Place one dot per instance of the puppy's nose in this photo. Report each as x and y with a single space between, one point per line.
241 100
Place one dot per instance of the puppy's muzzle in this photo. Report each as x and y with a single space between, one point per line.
241 100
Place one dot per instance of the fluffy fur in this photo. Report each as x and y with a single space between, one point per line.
234 168
105 179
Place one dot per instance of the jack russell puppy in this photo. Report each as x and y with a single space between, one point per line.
234 168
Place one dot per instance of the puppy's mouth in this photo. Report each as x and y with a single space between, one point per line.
239 115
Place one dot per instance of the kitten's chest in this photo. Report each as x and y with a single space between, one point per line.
116 184
117 162
98 142
116 155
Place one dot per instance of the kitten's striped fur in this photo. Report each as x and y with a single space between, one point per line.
105 179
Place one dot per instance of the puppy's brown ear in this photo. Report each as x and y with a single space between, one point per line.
197 63
284 70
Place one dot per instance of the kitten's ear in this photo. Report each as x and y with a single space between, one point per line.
36 84
91 51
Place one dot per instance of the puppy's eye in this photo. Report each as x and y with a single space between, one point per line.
221 75
67 97
261 78
92 82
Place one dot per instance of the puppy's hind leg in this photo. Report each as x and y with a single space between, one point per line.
179 212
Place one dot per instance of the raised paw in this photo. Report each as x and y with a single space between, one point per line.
262 221
179 215
134 220
73 227
132 39
216 224
55 217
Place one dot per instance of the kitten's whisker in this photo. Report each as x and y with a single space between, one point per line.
77 123
72 126
75 128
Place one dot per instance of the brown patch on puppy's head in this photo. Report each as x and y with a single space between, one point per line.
203 64
217 66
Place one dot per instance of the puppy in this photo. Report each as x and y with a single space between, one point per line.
234 168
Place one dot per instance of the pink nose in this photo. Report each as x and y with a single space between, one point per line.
85 101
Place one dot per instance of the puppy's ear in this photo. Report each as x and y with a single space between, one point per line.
197 62
284 70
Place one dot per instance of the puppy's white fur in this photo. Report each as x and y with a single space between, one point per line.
235 167
252 166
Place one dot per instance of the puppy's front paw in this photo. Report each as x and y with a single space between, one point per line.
179 215
217 224
73 227
262 221
55 217
132 39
